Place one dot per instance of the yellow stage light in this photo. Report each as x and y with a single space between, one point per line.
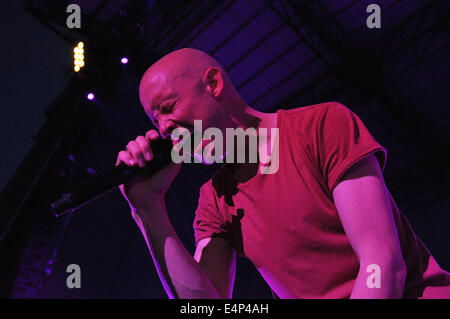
78 56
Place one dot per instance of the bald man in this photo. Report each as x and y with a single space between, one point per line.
323 226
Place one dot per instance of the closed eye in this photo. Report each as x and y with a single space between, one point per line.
166 108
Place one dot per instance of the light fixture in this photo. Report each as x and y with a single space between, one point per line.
78 57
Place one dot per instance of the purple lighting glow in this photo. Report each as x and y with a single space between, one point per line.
90 96
124 60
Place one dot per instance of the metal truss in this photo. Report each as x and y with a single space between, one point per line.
38 258
52 13
421 36
361 74
145 33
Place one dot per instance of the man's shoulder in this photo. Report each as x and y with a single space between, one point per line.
312 115
314 109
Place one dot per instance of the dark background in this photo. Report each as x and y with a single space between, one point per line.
35 61
279 54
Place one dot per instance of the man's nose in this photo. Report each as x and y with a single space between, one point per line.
166 128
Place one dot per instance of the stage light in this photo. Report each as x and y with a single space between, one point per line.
90 96
124 60
78 57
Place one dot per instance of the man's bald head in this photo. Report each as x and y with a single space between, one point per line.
182 65
188 85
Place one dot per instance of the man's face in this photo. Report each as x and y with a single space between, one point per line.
172 104
164 105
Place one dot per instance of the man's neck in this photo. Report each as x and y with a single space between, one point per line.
251 118
246 117
265 120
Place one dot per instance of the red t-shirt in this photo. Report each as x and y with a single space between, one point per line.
287 224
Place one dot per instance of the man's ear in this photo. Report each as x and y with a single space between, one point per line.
213 80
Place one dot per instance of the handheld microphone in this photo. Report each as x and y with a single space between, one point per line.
103 183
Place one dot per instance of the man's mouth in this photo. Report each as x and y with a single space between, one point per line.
197 145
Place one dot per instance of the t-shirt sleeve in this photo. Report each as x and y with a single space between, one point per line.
343 140
208 221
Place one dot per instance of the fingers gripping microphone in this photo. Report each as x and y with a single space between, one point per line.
105 182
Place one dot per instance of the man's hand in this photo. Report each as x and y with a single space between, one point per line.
140 191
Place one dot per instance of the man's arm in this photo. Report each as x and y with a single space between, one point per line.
218 259
209 275
366 215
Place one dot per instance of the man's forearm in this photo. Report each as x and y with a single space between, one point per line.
180 274
391 281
